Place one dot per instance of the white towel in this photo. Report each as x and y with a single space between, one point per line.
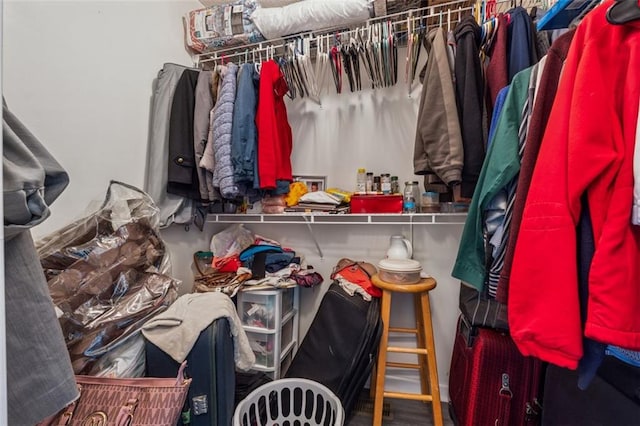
176 330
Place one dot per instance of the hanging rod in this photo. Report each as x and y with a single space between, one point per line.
434 11
256 48
270 48
423 14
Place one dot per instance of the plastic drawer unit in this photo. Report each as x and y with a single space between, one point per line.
270 318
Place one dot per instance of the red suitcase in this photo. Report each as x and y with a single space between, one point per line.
490 382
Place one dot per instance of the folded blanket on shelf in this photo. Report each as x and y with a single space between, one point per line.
310 15
221 26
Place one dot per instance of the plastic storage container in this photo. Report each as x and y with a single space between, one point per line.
270 319
263 309
263 347
399 271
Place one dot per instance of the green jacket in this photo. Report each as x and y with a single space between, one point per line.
501 165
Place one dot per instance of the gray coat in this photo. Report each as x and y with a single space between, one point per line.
222 126
40 379
438 146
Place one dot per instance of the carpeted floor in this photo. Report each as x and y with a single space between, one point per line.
396 412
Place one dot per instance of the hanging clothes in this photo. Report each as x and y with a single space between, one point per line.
594 352
173 208
501 236
221 128
497 108
40 379
635 212
541 111
274 133
469 99
497 72
501 166
203 106
244 135
213 192
586 150
438 143
522 41
182 177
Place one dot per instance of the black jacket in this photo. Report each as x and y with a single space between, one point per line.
182 175
469 96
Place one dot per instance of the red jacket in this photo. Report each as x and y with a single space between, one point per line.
587 148
274 134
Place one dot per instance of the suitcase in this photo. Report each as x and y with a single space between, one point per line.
612 398
212 367
341 345
490 382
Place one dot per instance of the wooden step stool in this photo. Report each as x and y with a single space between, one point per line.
426 349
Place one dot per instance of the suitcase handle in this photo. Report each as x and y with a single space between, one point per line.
467 331
505 395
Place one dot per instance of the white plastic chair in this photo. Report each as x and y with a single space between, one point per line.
288 400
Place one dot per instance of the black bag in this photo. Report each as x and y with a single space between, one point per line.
212 367
341 346
612 398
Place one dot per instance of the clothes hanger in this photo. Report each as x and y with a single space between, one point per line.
336 65
307 70
386 56
346 63
365 55
383 56
322 61
355 60
408 73
394 53
375 55
297 67
287 73
622 12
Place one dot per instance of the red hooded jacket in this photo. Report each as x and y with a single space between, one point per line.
274 133
587 148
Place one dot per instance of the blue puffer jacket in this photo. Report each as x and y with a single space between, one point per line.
244 136
222 125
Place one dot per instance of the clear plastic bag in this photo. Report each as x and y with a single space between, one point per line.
231 240
105 274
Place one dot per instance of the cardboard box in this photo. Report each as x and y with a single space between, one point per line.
376 203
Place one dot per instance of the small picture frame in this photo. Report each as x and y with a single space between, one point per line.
314 183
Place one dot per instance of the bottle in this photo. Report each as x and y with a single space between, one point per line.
361 181
369 182
376 184
409 198
385 183
395 185
417 194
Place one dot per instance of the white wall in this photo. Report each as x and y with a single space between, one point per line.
79 75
